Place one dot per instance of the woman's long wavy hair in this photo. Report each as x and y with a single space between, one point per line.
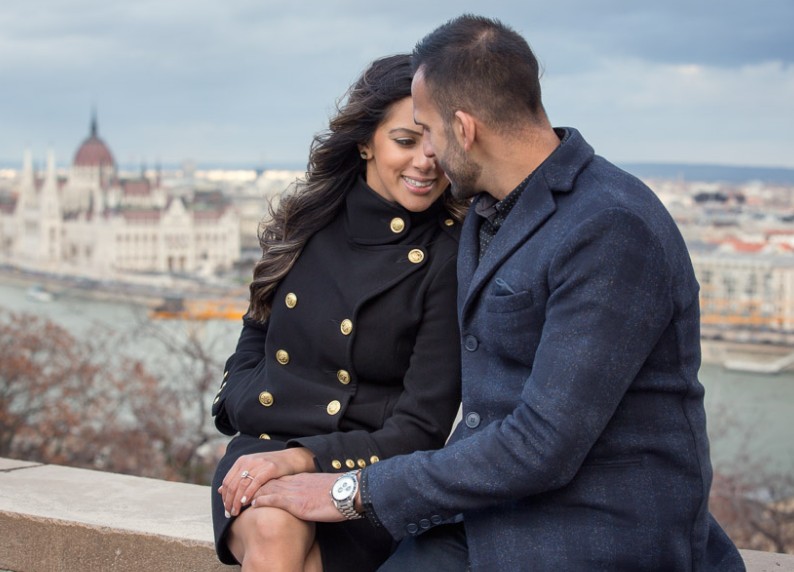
334 165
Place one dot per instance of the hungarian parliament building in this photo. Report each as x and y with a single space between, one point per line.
94 222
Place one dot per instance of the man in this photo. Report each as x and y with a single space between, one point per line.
583 443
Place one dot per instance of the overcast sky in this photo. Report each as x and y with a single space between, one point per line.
248 82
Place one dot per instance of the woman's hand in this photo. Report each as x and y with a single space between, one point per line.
250 472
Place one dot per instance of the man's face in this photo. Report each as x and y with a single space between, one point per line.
439 142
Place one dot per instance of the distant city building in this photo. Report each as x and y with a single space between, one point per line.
746 295
95 223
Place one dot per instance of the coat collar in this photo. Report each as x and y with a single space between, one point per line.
557 174
371 219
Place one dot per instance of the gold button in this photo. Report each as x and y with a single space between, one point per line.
346 326
343 376
291 300
266 398
264 436
350 464
449 222
374 459
217 399
282 357
362 463
397 225
333 407
225 374
222 386
336 464
416 256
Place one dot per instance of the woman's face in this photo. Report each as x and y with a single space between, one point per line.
397 169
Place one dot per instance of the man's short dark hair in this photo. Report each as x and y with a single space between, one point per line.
481 66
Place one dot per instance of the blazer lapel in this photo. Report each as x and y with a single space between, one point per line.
468 251
535 205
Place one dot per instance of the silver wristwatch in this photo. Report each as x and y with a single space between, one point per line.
343 493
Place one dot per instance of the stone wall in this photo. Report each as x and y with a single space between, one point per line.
60 519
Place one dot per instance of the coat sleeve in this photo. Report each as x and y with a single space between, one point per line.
423 415
607 305
248 354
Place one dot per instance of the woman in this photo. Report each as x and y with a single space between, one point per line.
349 351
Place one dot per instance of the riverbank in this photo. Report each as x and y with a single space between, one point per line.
150 290
750 357
138 289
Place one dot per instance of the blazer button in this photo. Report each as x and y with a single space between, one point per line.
471 343
343 376
266 398
416 256
333 407
291 300
436 519
473 420
282 357
411 528
346 327
397 225
424 524
336 464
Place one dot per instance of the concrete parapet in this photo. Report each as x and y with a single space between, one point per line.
60 519
55 518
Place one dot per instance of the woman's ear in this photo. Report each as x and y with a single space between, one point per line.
465 129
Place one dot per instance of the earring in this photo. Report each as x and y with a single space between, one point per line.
364 155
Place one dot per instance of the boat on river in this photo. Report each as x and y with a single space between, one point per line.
39 293
179 308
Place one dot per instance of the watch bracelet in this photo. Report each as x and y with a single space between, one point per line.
349 511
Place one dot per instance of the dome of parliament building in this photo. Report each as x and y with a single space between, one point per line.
93 152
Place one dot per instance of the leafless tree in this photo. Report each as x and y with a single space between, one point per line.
750 498
84 403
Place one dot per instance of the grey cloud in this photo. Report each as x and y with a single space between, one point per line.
241 79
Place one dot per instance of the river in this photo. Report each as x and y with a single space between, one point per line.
749 413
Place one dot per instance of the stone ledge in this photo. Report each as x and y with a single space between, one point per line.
61 519
56 518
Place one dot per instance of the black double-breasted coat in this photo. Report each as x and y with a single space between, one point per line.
358 361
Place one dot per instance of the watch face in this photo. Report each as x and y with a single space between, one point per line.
343 488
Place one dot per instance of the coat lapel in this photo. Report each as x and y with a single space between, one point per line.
536 204
533 208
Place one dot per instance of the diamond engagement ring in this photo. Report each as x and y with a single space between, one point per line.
246 475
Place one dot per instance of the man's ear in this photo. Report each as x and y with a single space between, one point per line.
465 129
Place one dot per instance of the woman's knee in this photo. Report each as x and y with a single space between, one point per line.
272 525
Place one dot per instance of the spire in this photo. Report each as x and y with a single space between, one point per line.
49 193
94 129
50 180
27 169
27 187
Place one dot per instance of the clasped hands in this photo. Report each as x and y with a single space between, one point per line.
282 479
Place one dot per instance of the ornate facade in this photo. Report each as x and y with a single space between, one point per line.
95 223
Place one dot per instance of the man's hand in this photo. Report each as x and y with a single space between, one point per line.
306 496
250 472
